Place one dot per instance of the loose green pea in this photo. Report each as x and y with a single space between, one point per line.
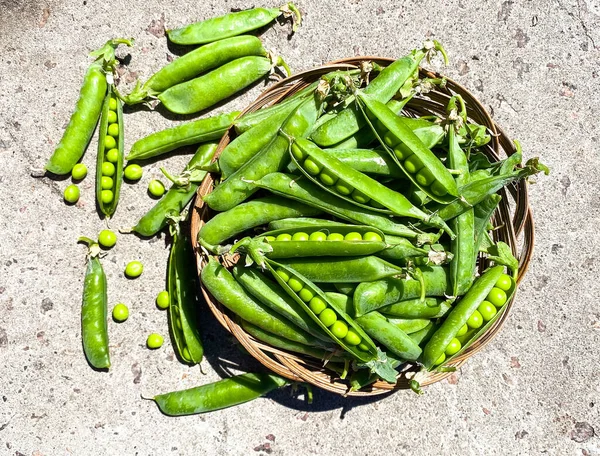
328 317
372 237
295 284
475 320
154 341
353 236
120 313
413 164
352 338
317 236
335 237
487 310
134 269
312 167
463 330
109 142
107 196
112 155
343 188
133 172
156 188
107 239
453 347
497 297
306 295
162 300
284 237
111 117
79 171
328 178
317 305
108 169
437 189
113 130
71 194
112 104
106 183
283 275
504 282
424 177
339 329
300 236
360 197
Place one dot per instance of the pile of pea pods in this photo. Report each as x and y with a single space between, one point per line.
356 229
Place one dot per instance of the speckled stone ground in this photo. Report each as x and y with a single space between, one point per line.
535 390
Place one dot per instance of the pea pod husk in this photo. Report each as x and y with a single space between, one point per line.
218 395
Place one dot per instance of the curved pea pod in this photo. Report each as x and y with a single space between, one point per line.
399 248
368 161
360 345
218 395
459 315
232 24
108 181
407 325
225 289
184 305
89 105
271 295
304 191
248 215
371 296
416 308
242 184
439 183
196 132
207 90
343 269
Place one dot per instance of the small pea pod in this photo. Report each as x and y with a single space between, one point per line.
196 132
218 395
109 162
94 331
416 308
84 119
232 24
184 303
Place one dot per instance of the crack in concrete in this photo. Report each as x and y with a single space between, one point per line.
583 25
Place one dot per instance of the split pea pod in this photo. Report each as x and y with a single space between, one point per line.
196 132
241 184
416 308
353 186
256 212
300 222
232 24
84 119
368 161
184 305
218 395
225 289
304 191
176 198
94 331
109 162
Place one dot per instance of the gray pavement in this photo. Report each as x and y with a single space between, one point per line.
534 390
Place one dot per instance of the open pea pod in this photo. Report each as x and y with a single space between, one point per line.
342 329
419 163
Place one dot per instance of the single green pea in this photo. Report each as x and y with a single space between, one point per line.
343 188
402 153
107 196
284 237
283 274
112 104
328 178
133 172
109 142
424 177
108 169
107 239
113 130
339 329
372 237
300 236
352 338
112 155
106 183
312 167
453 347
317 305
360 197
185 353
270 238
463 330
120 313
440 360
328 317
162 300
487 310
438 189
178 323
390 139
353 236
156 188
71 194
299 154
154 341
413 164
295 284
504 282
475 320
111 117
79 171
306 295
497 297
335 237
134 269
317 236
364 347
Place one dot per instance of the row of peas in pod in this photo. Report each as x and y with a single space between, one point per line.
362 231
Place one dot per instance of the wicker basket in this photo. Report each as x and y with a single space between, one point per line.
513 217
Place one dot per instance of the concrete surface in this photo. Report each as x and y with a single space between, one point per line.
534 390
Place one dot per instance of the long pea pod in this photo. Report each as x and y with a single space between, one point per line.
94 331
416 308
483 212
293 223
232 24
369 161
400 248
84 119
407 325
177 197
218 395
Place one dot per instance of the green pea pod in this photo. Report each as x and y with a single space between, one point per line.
225 289
304 191
369 161
400 248
109 162
407 325
417 308
371 296
271 295
422 336
294 223
483 212
242 184
232 24
347 289
218 395
84 119
459 315
187 134
207 90
94 331
248 215
177 197
184 303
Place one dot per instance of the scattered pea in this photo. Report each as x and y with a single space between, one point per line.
107 239
71 194
133 172
134 269
156 188
162 300
154 341
79 171
120 313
